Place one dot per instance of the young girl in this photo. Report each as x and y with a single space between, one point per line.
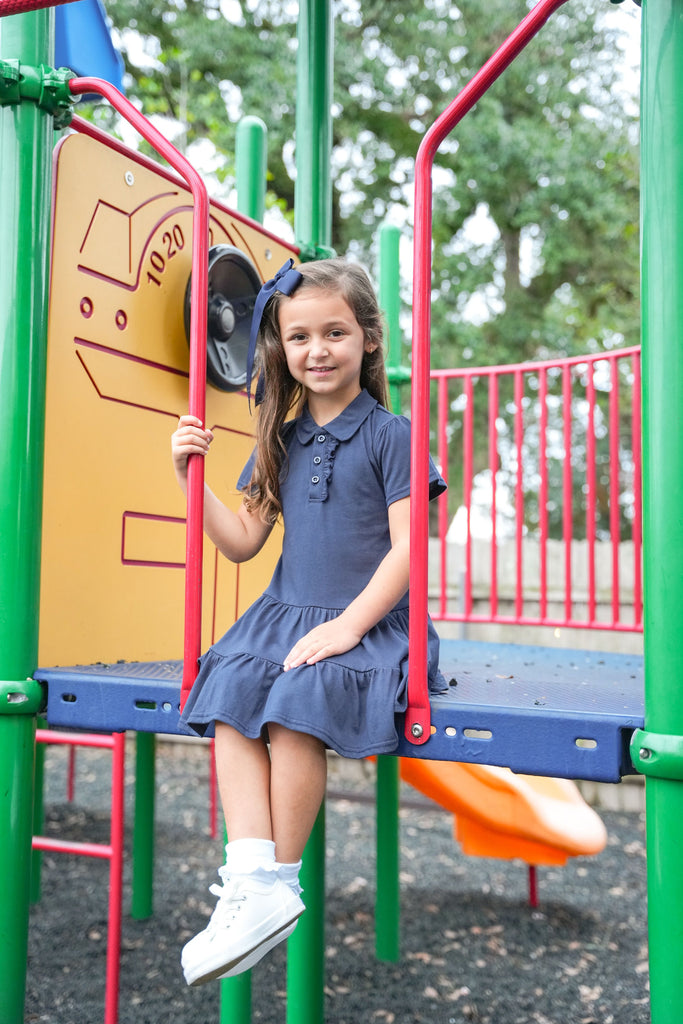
321 659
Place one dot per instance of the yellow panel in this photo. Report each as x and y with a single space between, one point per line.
113 537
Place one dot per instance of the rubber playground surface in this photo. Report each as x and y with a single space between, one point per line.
472 950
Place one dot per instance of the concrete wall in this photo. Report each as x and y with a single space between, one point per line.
589 639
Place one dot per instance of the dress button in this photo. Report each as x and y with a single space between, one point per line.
315 479
321 438
317 460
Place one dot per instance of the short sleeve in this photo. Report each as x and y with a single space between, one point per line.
392 449
245 476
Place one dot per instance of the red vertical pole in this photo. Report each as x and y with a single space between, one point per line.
519 494
71 774
468 441
111 1008
543 491
493 467
533 886
443 501
567 481
614 475
637 528
590 487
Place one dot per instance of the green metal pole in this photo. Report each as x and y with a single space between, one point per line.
313 230
388 899
251 161
235 1007
251 165
25 145
306 946
388 903
390 301
38 817
142 900
313 190
17 747
658 751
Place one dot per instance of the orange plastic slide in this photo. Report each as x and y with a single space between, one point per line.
500 814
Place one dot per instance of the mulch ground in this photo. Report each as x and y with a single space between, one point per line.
472 949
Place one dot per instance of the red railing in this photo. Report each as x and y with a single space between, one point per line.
417 726
111 851
542 522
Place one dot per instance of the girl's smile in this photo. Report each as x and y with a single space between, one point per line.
324 347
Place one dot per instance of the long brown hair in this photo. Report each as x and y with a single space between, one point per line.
283 394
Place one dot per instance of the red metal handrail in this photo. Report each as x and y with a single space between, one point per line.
578 402
8 7
417 721
197 384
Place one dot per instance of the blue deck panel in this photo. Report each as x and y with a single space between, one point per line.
538 710
549 711
143 696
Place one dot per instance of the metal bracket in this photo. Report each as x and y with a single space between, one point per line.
309 251
657 754
46 87
418 726
21 697
399 374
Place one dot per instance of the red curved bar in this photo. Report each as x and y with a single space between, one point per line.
197 386
417 722
23 6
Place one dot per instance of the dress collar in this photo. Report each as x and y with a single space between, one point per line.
342 426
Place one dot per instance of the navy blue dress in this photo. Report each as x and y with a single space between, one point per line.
337 483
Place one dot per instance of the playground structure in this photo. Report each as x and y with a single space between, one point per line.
657 752
555 437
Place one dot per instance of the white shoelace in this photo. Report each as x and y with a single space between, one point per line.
229 901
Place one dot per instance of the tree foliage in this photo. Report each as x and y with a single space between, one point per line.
535 194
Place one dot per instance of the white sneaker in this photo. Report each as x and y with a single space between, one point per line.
253 958
250 913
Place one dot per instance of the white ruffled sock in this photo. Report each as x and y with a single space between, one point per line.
289 873
255 857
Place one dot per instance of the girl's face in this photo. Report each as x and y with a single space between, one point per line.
324 347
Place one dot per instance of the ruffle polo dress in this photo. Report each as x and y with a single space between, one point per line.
337 483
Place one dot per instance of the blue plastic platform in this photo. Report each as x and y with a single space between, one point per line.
537 710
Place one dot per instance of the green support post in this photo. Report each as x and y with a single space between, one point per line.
306 947
390 301
25 144
142 899
20 703
313 230
251 167
388 898
251 163
658 751
38 817
387 903
313 188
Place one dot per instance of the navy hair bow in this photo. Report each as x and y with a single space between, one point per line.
285 281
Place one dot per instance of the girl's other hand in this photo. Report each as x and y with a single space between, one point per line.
189 438
326 640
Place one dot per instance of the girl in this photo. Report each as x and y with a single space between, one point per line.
320 660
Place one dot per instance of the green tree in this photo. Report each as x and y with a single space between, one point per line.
535 194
